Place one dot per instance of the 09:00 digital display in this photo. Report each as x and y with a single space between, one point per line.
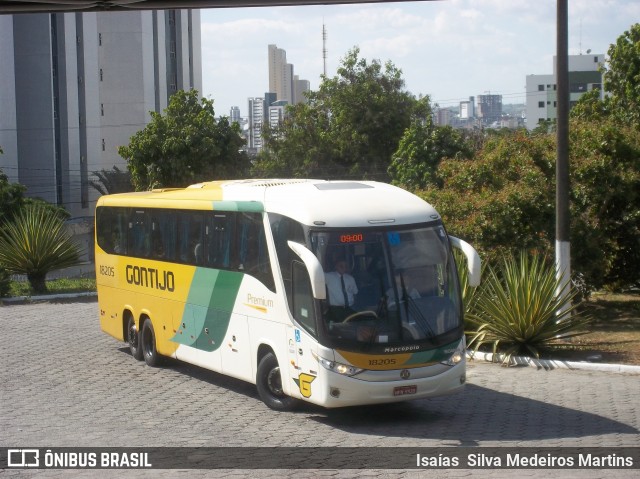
354 238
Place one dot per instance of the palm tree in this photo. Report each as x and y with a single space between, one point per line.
34 243
112 181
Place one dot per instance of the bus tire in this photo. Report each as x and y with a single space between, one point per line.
133 339
148 345
269 384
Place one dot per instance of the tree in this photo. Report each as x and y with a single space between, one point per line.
605 202
185 145
300 147
350 127
34 243
590 107
503 200
622 75
421 149
109 182
11 198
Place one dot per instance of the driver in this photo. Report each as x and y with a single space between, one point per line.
341 290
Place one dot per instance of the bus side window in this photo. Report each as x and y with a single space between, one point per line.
196 238
163 235
302 302
139 241
285 229
253 255
183 238
112 229
190 238
219 231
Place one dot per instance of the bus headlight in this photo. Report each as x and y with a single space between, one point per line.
458 354
336 367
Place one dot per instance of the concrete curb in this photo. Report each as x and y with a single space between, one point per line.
46 297
549 364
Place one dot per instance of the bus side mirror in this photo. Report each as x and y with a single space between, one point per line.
473 259
316 273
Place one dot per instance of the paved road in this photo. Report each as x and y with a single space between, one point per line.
65 383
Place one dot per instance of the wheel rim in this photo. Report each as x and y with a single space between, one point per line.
133 334
274 381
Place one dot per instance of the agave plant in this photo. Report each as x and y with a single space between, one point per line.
34 243
518 309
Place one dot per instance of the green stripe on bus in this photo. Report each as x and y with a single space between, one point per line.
246 206
210 302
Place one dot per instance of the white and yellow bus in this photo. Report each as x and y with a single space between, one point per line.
236 277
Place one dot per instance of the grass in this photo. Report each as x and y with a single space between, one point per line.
55 286
614 335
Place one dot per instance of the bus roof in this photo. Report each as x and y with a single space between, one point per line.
311 202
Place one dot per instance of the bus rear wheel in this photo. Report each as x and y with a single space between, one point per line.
269 384
148 344
133 339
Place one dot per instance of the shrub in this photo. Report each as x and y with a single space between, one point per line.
34 243
517 310
5 282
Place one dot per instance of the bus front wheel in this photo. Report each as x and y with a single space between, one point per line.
148 344
269 384
133 338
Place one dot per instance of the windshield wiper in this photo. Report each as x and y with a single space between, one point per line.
411 310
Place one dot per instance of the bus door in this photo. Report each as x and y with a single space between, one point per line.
303 368
300 336
235 350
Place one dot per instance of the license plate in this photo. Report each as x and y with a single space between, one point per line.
403 390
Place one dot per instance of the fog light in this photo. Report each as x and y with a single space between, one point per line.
335 392
463 379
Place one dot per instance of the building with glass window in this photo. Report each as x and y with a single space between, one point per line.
542 96
76 86
255 121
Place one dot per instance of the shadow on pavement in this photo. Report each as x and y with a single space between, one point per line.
477 414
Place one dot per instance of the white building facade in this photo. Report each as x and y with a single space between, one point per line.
255 119
542 96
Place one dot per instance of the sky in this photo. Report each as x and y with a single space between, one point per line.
449 50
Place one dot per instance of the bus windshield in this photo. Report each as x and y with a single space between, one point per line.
388 288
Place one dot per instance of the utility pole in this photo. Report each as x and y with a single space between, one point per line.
563 246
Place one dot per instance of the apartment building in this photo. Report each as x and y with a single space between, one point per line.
542 96
76 86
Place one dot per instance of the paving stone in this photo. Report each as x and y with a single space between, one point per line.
65 383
